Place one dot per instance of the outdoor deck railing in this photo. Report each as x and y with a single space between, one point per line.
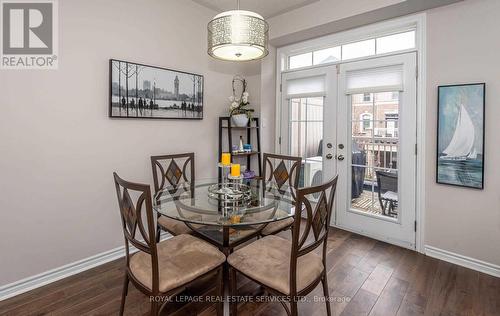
381 154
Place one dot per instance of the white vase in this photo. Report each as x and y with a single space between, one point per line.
240 120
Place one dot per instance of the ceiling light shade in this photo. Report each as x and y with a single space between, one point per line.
238 35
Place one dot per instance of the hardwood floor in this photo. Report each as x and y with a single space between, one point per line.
365 276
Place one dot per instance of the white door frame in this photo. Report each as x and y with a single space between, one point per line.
418 21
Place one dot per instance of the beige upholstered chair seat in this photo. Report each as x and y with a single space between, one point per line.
173 226
181 259
277 226
267 261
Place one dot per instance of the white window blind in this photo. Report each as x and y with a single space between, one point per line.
373 80
313 86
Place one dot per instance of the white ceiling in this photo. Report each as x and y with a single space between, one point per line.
266 8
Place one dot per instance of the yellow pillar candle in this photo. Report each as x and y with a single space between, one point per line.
226 159
235 170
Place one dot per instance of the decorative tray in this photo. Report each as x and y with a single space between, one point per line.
230 192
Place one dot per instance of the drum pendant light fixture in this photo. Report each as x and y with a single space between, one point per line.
238 35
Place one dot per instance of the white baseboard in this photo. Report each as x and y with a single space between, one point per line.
33 282
464 261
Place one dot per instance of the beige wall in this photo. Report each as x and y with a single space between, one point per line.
462 47
321 12
59 148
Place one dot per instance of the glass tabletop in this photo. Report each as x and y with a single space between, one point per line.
236 204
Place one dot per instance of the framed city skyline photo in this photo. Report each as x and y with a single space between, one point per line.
460 139
142 91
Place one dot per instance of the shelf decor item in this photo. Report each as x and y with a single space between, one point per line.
248 174
228 142
149 92
460 143
239 111
238 35
240 146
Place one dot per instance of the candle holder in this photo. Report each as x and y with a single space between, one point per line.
238 179
225 170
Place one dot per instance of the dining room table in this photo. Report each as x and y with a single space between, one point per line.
226 213
229 218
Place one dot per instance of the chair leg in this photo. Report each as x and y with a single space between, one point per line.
293 306
326 294
220 292
158 232
154 308
233 306
124 293
384 210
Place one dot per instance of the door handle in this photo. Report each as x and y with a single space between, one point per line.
340 157
329 156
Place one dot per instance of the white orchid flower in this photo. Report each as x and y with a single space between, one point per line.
234 105
245 94
245 99
231 98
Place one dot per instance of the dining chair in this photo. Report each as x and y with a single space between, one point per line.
282 170
290 269
167 172
164 269
387 183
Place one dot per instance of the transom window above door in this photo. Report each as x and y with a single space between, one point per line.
368 47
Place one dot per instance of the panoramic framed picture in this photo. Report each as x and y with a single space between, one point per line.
142 91
460 138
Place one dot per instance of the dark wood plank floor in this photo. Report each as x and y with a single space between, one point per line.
366 277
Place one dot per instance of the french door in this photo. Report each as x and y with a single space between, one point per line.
376 192
308 122
358 120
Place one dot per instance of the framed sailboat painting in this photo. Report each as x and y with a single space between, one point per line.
460 143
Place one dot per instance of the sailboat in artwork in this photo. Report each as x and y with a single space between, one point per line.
461 146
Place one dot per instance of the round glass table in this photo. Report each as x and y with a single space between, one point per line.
227 214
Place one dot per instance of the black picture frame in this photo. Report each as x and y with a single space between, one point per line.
466 171
168 102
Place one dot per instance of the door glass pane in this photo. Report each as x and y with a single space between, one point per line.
361 192
358 49
297 138
315 109
306 138
375 143
362 107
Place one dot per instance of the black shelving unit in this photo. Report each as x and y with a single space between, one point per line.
253 127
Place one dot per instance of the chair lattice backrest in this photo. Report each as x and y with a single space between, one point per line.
132 216
387 181
172 169
314 232
284 170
